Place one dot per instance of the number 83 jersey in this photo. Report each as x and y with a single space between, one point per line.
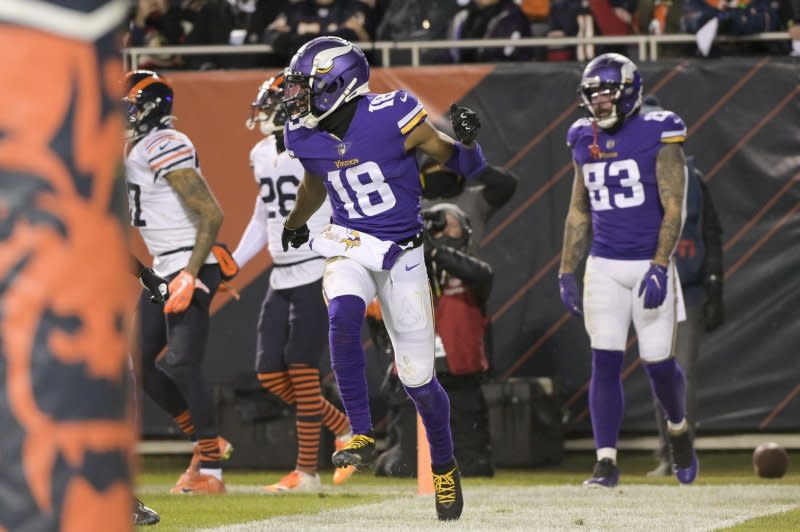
620 179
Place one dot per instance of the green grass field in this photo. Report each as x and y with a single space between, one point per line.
726 496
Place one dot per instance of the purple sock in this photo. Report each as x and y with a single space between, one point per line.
346 314
433 407
606 400
669 387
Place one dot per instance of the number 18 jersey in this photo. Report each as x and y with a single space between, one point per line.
373 183
621 181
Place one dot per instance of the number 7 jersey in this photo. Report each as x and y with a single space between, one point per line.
373 183
165 223
621 181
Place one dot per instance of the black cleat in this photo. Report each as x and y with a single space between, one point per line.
358 452
142 515
447 488
604 475
685 463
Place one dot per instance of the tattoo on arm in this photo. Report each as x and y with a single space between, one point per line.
671 179
578 226
195 194
310 195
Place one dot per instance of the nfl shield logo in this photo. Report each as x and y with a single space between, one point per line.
610 144
341 148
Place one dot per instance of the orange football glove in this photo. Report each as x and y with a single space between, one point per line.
181 289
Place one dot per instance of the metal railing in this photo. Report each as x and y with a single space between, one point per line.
647 45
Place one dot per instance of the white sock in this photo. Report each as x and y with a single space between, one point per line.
345 437
213 472
796 48
607 452
677 428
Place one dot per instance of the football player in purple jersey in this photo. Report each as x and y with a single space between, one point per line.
627 208
358 150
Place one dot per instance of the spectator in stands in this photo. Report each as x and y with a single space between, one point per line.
193 22
588 18
568 18
490 19
538 12
417 20
148 27
307 19
735 17
699 261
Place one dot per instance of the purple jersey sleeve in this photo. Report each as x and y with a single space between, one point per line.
620 179
372 181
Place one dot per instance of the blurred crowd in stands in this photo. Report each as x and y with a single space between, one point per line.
287 24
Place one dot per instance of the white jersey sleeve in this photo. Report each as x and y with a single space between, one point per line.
167 226
255 236
278 176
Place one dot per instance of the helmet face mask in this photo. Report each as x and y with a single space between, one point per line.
267 110
148 102
324 74
611 89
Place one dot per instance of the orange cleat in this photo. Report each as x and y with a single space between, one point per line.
200 484
296 482
225 452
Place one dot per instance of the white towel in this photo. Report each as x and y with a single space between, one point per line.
372 253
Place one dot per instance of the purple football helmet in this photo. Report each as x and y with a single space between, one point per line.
611 89
325 73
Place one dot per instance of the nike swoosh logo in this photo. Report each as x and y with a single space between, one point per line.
403 97
409 268
160 148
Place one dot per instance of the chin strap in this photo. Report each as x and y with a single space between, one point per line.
594 148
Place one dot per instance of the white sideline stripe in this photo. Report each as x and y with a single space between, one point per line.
64 21
634 507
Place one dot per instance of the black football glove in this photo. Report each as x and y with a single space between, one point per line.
465 123
155 284
295 237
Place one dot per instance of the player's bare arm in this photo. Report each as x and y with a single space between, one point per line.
431 141
310 195
578 226
195 194
671 179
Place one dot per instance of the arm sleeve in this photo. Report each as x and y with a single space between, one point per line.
499 185
475 273
255 236
712 235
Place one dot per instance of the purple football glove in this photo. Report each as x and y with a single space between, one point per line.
654 286
570 295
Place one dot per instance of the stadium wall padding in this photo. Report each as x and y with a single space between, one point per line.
744 125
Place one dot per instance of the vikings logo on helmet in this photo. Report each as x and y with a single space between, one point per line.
148 102
267 110
325 73
611 89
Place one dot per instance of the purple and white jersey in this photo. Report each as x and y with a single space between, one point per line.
373 182
621 182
